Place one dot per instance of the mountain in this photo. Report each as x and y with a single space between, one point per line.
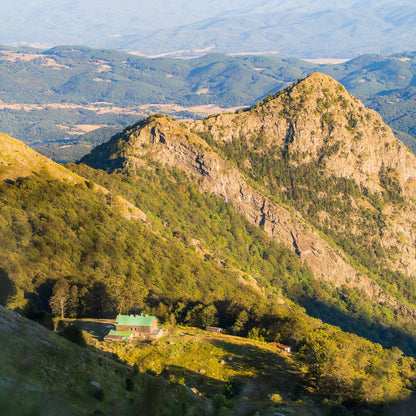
66 100
301 29
314 169
276 223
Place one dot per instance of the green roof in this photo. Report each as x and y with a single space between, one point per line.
138 320
125 334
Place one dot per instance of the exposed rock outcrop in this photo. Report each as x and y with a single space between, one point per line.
313 115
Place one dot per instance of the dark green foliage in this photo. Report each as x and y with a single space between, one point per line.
30 311
337 410
232 387
99 394
208 219
7 288
57 230
129 384
218 400
74 334
389 180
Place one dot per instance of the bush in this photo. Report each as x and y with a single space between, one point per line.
337 410
232 387
129 384
218 400
99 394
74 334
276 398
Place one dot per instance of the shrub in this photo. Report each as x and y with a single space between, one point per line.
129 384
99 394
74 334
276 398
337 410
232 387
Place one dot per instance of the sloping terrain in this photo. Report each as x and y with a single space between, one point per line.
66 100
315 170
242 213
42 373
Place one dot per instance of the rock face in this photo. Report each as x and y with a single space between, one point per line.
317 117
313 115
319 113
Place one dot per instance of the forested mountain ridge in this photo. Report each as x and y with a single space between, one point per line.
224 243
312 148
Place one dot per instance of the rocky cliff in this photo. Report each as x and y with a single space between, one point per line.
317 121
314 120
316 114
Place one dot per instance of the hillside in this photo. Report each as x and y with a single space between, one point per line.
42 373
231 235
302 165
18 160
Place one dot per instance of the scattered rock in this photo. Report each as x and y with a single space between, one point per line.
95 384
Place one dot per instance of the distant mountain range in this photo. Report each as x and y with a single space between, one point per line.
67 99
299 28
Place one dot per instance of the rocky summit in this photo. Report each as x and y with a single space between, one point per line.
316 127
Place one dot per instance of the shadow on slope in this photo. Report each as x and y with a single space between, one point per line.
404 408
387 336
7 288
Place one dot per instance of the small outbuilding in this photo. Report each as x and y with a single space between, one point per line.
282 347
213 329
121 336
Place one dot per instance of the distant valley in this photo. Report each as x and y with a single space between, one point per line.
296 28
66 100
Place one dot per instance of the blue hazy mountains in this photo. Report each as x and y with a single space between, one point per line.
297 28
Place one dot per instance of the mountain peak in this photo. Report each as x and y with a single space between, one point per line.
317 120
320 78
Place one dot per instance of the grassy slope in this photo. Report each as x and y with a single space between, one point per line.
44 374
207 362
25 200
